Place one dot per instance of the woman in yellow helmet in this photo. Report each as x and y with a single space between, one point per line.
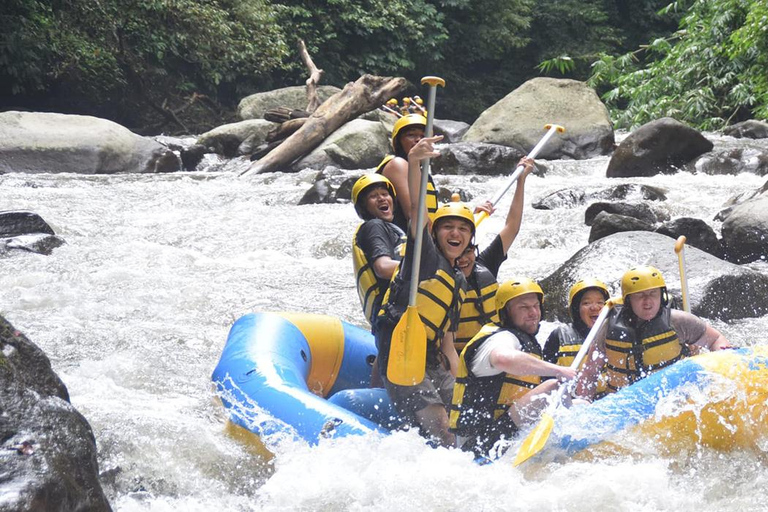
406 133
440 293
644 335
499 387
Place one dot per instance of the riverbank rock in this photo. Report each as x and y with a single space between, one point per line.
36 142
235 139
294 97
751 129
662 146
745 231
518 120
359 144
48 453
717 289
27 231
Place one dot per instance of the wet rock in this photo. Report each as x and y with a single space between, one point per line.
452 131
752 129
733 161
235 139
475 158
27 231
745 231
570 198
605 224
639 211
359 144
625 190
566 198
717 289
37 142
698 234
661 146
731 203
48 452
326 187
518 120
192 156
294 97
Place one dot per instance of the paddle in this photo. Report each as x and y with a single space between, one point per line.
679 249
538 437
552 128
408 347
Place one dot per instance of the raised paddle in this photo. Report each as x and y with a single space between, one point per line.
551 129
538 437
679 249
408 347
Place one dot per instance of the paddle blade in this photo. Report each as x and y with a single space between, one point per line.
536 440
408 350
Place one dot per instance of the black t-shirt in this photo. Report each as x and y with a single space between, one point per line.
377 238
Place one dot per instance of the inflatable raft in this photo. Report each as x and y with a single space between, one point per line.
307 376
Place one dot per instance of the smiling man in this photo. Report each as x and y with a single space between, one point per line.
499 387
644 335
378 244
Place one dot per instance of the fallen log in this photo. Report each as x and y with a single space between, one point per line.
285 130
359 97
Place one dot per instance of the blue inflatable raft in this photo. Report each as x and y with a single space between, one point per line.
307 376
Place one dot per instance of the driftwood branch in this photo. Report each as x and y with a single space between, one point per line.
359 97
315 75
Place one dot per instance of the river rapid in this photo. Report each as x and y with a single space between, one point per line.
134 310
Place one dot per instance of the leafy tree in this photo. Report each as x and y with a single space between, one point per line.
709 73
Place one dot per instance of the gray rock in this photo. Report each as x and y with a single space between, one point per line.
751 129
359 144
48 453
36 142
518 120
468 158
326 186
717 289
294 97
606 224
570 198
236 138
733 161
639 211
745 231
13 223
661 146
452 131
698 234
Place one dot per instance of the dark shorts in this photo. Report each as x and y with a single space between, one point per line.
435 389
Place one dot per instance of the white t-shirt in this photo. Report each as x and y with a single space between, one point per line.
481 364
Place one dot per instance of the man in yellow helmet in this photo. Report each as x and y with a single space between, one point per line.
378 244
586 299
406 133
644 335
440 293
481 269
499 387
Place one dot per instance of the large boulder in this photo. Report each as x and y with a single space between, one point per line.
294 97
698 233
236 138
751 129
661 146
471 158
43 142
717 289
605 224
518 120
359 144
745 231
640 211
48 453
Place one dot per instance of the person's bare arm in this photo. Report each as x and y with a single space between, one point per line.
519 363
712 339
423 149
396 171
515 215
586 384
384 267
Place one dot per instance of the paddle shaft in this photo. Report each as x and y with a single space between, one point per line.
680 250
520 168
414 289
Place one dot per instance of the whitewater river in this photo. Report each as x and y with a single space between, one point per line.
134 311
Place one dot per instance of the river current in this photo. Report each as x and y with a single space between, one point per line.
135 308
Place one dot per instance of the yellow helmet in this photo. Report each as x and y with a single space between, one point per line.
579 288
361 185
454 209
405 122
516 287
639 279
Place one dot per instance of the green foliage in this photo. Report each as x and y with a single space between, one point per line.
709 73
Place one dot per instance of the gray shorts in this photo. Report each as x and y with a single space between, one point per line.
435 389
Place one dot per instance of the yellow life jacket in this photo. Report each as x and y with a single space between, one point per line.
370 288
569 342
478 308
431 199
635 352
479 402
439 298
